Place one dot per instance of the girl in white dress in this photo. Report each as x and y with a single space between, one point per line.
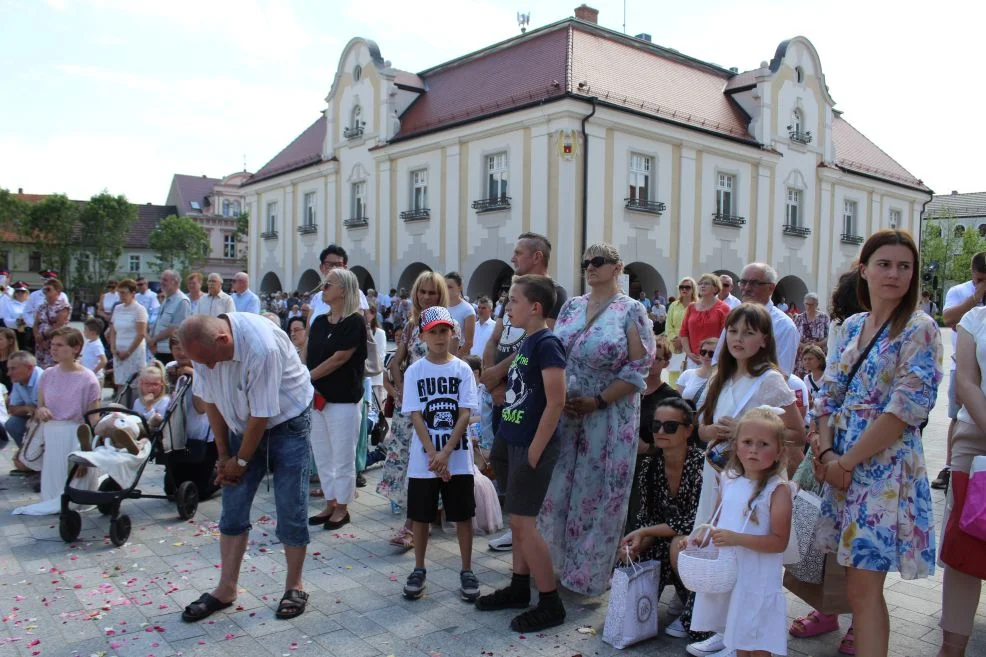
755 522
152 402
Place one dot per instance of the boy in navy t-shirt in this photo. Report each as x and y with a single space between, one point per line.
535 399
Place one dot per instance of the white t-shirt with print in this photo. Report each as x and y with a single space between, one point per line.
438 392
91 352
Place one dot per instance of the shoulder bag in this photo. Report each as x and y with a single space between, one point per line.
33 448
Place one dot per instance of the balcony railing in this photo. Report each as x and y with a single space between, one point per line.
491 204
732 220
849 238
357 222
799 136
353 132
421 214
269 235
641 205
307 229
796 230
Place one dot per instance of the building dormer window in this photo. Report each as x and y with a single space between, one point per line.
796 131
356 124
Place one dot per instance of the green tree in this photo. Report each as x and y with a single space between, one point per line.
947 248
180 243
243 226
104 224
11 210
52 226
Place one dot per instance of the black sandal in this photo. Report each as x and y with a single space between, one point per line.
202 608
292 604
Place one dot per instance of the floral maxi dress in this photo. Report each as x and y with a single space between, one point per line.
885 520
585 509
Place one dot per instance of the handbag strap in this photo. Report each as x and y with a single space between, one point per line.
588 325
866 352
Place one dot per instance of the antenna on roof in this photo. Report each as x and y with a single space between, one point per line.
523 20
244 162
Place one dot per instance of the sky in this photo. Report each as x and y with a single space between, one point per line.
122 94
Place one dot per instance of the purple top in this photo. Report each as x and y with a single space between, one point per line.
68 394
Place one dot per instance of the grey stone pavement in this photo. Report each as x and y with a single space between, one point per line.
91 599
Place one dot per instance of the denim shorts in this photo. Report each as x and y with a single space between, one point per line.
283 451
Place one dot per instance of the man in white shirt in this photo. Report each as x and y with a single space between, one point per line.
727 291
216 302
332 257
146 297
959 300
257 395
172 313
194 284
484 326
243 297
756 286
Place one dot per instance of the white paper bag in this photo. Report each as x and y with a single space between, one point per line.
633 597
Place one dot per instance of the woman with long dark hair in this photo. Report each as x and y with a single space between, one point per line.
880 385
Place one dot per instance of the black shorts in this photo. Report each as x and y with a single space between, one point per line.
458 498
525 487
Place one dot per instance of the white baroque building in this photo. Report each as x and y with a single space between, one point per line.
586 135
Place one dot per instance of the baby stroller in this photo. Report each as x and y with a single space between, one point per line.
165 439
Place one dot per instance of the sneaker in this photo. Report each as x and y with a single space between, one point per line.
706 648
506 598
375 456
676 629
941 483
360 481
415 586
468 586
544 615
503 543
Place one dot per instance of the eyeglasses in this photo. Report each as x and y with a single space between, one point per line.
684 287
328 284
727 284
746 283
707 352
596 262
668 426
48 289
328 264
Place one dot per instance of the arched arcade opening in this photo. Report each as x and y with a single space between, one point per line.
410 274
309 282
793 290
270 283
644 278
364 278
489 279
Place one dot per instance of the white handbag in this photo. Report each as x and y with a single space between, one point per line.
632 614
33 446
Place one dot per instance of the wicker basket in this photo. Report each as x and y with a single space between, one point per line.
708 569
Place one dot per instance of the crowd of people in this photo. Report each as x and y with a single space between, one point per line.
597 459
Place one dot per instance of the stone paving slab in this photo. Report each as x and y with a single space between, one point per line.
89 598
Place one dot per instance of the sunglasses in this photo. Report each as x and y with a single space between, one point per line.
707 352
668 426
596 262
684 287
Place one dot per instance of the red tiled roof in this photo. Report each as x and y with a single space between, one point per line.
492 81
857 154
193 188
304 151
640 76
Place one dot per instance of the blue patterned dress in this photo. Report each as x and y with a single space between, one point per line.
585 509
885 520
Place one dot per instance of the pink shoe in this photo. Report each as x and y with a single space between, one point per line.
814 624
848 645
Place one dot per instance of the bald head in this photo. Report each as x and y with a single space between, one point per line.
206 340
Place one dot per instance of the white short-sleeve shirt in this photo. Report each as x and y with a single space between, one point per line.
265 378
958 294
974 322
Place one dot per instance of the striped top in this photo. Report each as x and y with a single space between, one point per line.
265 377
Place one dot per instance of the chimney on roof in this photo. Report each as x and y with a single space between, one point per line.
643 36
586 13
203 175
20 190
954 192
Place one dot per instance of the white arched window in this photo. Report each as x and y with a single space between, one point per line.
355 128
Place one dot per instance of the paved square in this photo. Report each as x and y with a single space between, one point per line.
89 598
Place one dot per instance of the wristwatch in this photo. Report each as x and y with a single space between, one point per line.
241 462
601 403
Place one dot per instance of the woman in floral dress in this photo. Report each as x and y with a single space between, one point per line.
585 509
53 313
877 514
429 290
813 327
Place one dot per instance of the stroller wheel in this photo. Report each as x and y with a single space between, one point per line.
108 485
69 525
187 499
119 530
